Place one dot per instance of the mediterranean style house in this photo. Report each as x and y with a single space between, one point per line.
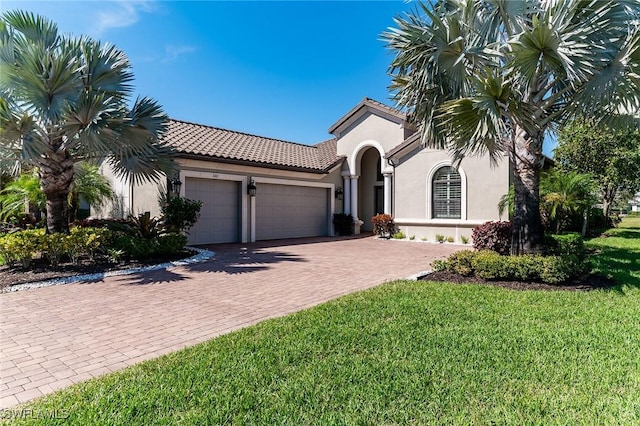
256 188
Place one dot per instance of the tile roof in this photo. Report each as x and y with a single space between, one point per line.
228 145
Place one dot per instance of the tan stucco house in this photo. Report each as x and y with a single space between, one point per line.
374 164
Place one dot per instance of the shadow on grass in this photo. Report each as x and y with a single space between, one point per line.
626 233
618 256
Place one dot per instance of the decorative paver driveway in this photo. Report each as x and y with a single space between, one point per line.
53 337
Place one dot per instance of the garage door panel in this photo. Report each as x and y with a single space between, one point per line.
220 214
287 211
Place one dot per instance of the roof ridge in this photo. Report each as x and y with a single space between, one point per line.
384 105
240 132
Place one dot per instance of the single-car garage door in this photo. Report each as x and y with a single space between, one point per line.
220 214
287 211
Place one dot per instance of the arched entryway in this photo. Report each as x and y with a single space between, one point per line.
370 183
371 187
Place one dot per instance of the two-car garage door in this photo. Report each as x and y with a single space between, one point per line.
281 211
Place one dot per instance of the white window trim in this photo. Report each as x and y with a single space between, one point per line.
463 193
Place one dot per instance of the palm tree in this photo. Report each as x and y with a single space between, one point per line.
88 185
19 193
91 186
495 76
567 193
65 100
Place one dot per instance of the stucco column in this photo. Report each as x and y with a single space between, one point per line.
354 196
346 203
387 192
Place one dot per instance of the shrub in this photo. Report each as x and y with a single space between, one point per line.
494 236
383 225
131 246
464 239
170 243
399 235
461 263
490 265
440 238
111 224
179 214
87 241
21 246
450 239
555 269
54 247
343 223
412 237
439 265
146 227
566 245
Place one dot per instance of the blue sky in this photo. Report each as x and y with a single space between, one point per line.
286 70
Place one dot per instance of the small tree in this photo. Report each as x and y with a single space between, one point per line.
611 156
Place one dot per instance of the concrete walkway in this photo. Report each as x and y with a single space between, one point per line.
53 337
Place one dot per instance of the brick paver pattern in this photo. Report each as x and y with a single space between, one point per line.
53 337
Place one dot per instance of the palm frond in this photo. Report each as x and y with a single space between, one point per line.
36 29
106 69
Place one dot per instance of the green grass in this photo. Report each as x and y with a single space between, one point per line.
403 353
618 254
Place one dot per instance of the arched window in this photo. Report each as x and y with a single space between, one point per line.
447 194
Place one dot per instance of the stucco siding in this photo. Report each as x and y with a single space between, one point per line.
483 186
369 127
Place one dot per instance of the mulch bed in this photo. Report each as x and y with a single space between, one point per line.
583 283
41 270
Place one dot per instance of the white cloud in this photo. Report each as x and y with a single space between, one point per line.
172 52
121 13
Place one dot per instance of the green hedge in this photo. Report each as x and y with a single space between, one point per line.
23 246
490 265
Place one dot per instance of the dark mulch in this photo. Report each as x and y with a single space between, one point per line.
586 282
41 270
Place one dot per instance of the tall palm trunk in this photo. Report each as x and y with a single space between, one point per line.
56 176
528 234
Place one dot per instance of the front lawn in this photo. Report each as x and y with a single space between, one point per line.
406 352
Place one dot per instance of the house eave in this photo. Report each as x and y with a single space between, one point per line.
256 163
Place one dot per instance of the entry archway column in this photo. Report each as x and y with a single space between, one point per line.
346 177
388 176
354 196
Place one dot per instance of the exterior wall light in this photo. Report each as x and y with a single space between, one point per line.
174 187
339 193
251 188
